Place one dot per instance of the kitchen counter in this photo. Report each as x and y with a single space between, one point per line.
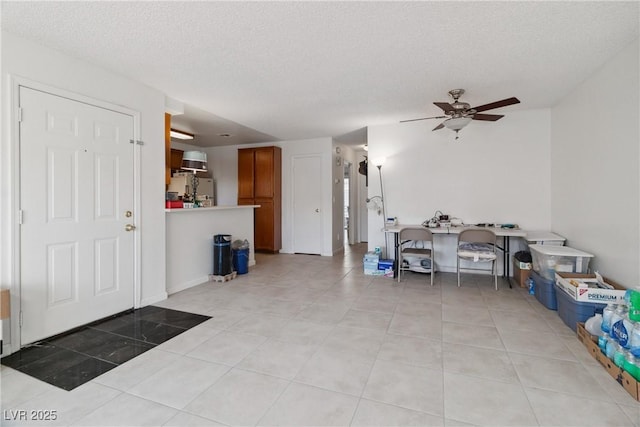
190 241
212 208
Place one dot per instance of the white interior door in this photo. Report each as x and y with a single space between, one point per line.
76 198
307 205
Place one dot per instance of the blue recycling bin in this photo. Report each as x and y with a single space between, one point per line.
241 260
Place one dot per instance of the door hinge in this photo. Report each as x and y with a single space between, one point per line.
19 114
20 217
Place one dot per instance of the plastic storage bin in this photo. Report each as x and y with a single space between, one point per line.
544 238
547 259
544 290
572 311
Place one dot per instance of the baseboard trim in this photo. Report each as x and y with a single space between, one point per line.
154 299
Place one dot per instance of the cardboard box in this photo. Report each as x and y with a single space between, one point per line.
521 275
387 267
5 304
371 257
371 269
383 264
576 286
630 384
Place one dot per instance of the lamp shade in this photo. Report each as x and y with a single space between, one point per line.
457 123
378 161
194 161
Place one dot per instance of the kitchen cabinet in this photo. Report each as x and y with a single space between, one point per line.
176 159
260 183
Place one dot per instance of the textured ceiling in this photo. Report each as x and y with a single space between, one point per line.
295 70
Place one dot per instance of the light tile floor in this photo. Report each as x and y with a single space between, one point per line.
308 340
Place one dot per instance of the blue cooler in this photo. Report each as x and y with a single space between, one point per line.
572 311
544 290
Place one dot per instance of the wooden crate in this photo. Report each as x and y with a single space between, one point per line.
225 278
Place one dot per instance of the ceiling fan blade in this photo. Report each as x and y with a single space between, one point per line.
446 107
424 118
487 117
497 104
440 126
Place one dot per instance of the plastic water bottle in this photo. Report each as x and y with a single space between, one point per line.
612 347
634 340
617 328
532 290
619 356
594 325
602 342
606 317
631 366
623 329
634 305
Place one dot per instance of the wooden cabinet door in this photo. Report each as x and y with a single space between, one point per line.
246 202
176 159
245 173
264 226
264 170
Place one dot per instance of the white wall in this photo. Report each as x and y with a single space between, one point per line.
337 189
24 59
595 168
363 193
224 161
495 173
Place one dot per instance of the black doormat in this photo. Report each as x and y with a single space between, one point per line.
71 359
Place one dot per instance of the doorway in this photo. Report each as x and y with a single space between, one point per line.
348 217
77 239
307 205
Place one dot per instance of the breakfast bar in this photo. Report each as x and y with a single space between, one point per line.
190 241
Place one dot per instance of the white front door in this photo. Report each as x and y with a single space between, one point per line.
307 205
76 198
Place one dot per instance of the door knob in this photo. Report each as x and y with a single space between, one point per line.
129 227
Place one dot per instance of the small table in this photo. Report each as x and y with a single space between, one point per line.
505 233
544 238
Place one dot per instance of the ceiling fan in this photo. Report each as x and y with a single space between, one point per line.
459 114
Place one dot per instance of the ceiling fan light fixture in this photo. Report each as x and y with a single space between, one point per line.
457 123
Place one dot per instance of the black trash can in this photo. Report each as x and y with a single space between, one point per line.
222 261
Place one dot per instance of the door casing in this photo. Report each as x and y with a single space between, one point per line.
319 205
14 133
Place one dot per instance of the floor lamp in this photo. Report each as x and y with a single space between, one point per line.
378 162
